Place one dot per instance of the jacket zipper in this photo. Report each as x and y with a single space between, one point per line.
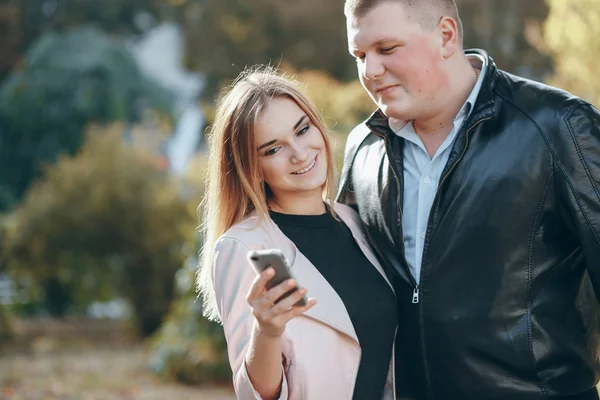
415 297
416 291
435 200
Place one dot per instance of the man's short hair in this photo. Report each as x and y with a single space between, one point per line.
429 11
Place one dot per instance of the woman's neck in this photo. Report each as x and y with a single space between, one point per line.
298 205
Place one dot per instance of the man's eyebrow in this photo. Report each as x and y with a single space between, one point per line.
377 43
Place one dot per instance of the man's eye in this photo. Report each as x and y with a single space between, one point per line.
388 49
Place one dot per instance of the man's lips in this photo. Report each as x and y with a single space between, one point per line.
383 89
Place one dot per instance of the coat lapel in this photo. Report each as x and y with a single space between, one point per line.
330 308
352 221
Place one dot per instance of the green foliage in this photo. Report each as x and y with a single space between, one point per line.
6 329
189 348
24 21
67 81
224 36
107 222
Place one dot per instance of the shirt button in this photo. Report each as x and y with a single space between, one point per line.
422 235
427 180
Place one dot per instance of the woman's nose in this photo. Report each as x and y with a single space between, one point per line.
299 153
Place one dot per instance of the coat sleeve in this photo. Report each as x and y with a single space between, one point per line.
578 162
232 277
345 194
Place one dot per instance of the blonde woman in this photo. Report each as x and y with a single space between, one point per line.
270 181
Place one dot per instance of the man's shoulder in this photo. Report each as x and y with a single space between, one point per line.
536 100
358 135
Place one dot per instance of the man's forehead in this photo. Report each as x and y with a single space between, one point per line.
360 35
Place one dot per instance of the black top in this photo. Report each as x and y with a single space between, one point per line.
370 302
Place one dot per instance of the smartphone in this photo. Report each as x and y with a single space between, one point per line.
262 259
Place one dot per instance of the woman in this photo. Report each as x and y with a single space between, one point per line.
269 182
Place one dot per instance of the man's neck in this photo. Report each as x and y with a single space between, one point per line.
434 130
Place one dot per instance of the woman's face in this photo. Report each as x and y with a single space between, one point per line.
291 150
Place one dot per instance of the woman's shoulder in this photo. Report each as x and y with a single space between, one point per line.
250 231
345 212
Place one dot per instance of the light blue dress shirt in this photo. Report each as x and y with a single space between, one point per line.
422 174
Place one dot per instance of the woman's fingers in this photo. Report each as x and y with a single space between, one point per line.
273 294
259 285
293 312
286 304
289 301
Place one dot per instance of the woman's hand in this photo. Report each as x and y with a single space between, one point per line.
271 318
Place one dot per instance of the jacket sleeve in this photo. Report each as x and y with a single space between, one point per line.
578 165
232 278
345 194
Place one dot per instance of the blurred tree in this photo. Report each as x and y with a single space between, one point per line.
67 81
224 36
10 37
498 27
6 328
22 22
571 35
188 348
107 222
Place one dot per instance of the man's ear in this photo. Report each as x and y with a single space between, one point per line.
448 29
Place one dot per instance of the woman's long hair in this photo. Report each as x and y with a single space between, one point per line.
234 184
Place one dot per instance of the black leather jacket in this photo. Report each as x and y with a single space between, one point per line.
504 308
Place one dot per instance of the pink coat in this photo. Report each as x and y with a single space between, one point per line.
321 349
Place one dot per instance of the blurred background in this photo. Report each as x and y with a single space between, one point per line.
103 110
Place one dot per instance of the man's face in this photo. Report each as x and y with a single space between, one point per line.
399 61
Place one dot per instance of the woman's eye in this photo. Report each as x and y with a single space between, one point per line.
303 130
272 151
388 49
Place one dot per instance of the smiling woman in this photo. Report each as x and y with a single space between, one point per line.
292 157
270 185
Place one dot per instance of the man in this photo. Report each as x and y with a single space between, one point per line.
480 190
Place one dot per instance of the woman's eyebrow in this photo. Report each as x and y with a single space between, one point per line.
270 142
262 146
300 121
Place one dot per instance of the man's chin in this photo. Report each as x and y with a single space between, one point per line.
393 112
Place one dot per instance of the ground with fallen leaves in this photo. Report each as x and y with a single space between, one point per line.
85 360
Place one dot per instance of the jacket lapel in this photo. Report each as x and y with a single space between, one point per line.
351 220
330 309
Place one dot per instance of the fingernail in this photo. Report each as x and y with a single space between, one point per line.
291 283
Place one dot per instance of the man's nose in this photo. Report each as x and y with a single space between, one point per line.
373 67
